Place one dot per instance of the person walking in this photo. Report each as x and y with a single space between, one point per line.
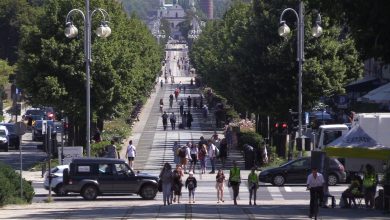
131 153
182 153
184 119
161 105
166 176
205 112
235 180
161 83
172 119
253 184
189 102
175 148
191 185
188 157
315 183
165 120
177 183
223 152
170 100
202 158
189 119
370 181
194 157
176 93
181 106
212 155
220 179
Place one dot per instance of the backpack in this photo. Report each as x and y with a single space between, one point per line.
191 185
182 152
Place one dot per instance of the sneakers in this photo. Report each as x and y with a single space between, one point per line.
193 201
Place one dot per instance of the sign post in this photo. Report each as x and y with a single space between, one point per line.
20 129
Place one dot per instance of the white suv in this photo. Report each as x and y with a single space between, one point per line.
4 142
57 185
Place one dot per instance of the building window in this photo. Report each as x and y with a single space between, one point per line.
176 15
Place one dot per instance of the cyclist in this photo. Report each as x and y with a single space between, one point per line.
315 183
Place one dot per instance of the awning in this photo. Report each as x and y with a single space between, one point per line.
378 95
357 144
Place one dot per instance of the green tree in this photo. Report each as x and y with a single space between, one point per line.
52 69
13 14
243 58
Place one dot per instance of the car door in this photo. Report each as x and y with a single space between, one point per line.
298 170
106 178
125 179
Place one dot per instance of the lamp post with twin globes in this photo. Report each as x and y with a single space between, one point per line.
284 31
102 31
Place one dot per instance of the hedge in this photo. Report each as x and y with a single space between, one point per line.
249 137
10 187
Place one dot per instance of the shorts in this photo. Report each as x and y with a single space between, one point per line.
219 185
130 158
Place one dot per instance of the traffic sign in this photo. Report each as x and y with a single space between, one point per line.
20 128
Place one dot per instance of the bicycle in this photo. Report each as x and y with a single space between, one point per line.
316 204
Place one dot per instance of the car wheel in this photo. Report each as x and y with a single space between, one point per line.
89 192
148 192
278 180
332 180
60 190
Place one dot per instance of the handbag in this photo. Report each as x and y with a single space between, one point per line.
159 187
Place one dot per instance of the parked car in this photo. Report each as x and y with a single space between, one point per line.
57 185
97 176
4 142
296 171
14 139
37 130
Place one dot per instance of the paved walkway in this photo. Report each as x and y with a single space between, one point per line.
153 149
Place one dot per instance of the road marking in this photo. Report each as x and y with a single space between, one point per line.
275 193
288 189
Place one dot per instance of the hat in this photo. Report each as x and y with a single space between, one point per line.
191 173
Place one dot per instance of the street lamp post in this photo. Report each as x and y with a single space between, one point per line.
284 30
102 31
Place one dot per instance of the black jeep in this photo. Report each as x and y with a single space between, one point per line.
96 176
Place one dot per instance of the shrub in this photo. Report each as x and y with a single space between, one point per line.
97 147
10 187
249 137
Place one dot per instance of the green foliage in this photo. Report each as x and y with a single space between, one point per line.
10 187
51 68
140 7
251 138
98 147
242 58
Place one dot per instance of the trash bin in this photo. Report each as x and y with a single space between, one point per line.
249 156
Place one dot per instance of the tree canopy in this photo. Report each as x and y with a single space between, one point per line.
51 69
243 58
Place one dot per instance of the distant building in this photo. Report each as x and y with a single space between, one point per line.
174 14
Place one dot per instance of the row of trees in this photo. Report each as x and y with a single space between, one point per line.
243 58
51 68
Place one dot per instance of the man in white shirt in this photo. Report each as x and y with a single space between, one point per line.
315 182
131 153
212 155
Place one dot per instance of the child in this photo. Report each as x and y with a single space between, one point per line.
191 186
